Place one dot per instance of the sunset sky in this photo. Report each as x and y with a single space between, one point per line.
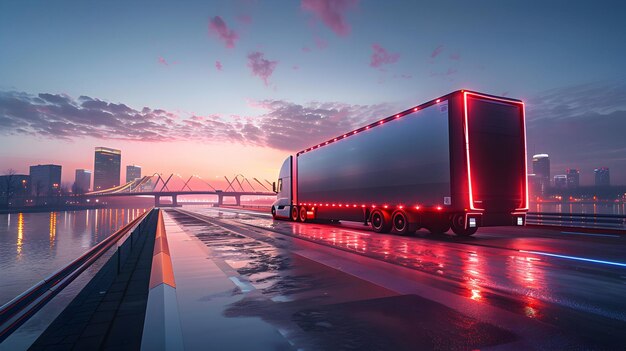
224 87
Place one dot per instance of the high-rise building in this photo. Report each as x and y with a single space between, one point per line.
106 168
541 169
82 181
132 172
560 181
602 176
45 180
573 178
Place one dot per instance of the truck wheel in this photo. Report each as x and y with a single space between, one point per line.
458 226
302 217
294 213
381 221
273 212
400 222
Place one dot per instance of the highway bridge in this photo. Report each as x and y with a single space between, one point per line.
231 279
157 186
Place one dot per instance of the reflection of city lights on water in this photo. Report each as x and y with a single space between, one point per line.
53 228
20 233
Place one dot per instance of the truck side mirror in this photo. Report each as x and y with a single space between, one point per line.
274 186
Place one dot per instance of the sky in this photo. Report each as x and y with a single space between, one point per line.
226 87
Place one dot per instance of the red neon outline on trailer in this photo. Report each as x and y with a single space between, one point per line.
469 172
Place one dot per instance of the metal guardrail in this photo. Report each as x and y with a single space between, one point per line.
17 311
582 220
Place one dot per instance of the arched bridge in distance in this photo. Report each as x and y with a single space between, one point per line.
175 185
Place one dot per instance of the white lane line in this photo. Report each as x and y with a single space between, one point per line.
592 234
619 264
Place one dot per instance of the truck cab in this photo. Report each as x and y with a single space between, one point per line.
282 207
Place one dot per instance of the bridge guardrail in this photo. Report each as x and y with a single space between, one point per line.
17 311
582 220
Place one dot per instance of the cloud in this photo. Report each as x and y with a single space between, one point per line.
331 13
437 51
306 49
281 124
218 65
218 27
162 61
260 66
244 19
380 56
455 56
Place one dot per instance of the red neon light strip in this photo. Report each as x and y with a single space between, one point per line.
469 172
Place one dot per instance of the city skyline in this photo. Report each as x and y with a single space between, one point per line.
223 78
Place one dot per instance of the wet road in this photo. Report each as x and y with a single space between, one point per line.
345 287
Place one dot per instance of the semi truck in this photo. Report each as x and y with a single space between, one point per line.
455 162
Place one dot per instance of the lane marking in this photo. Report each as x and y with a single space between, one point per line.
619 264
592 234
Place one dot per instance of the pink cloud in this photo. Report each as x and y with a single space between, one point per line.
331 13
162 61
437 51
260 66
218 65
218 27
380 56
455 56
306 49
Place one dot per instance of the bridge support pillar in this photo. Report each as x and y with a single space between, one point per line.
220 200
174 201
157 202
238 200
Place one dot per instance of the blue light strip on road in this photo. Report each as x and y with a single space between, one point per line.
575 258
590 234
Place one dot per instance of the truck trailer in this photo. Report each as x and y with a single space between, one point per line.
456 162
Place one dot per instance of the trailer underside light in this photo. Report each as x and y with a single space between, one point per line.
400 207
417 207
439 208
385 206
472 222
398 115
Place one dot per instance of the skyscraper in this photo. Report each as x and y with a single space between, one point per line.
573 178
45 180
82 181
602 176
106 168
560 181
541 169
132 172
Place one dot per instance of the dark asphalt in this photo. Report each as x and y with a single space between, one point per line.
497 290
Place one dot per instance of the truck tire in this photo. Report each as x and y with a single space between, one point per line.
380 221
294 213
302 215
458 226
273 212
400 222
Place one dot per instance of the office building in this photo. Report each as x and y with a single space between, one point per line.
82 181
45 180
132 172
106 170
602 176
560 181
541 169
573 178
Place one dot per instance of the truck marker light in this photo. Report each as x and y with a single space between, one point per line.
381 122
373 206
417 207
326 205
344 135
335 139
398 115
439 208
340 205
334 205
385 206
520 220
415 109
354 205
438 100
368 127
354 132
363 206
400 207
